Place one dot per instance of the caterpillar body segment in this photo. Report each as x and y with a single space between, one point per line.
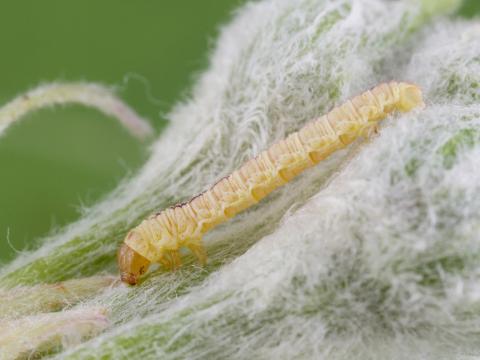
159 238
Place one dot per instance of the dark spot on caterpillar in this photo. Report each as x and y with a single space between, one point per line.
184 203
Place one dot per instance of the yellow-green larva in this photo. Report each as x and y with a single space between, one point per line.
159 238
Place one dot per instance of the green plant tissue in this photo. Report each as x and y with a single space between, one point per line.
373 254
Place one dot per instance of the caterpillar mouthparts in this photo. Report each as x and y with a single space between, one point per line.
159 238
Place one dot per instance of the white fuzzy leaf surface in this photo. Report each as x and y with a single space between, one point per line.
372 254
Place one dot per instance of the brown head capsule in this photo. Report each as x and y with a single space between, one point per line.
159 238
132 265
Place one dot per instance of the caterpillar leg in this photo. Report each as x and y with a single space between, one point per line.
175 258
171 260
199 251
373 131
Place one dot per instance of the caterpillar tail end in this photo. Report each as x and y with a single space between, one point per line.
410 97
132 265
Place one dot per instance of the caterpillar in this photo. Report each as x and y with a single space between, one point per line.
159 238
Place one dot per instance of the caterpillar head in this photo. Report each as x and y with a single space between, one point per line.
131 264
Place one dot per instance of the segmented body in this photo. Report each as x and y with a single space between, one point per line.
159 237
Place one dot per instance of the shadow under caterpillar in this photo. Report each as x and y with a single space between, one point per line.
159 238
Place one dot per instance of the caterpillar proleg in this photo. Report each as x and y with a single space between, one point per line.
159 237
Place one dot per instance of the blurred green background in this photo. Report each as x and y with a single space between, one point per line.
58 160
